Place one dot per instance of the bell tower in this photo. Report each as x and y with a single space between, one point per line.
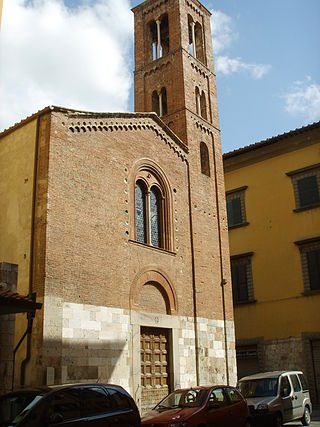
174 77
174 74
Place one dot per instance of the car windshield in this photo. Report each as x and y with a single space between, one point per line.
264 387
191 398
13 405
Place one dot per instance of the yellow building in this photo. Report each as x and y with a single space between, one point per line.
273 203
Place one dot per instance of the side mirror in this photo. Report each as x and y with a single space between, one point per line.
285 392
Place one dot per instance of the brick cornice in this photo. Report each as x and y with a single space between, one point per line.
83 124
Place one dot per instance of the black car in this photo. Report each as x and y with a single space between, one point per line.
94 405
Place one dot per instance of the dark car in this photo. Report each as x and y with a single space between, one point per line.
221 406
94 405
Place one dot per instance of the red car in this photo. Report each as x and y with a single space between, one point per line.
220 406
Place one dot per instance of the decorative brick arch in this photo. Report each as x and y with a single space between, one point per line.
149 167
153 275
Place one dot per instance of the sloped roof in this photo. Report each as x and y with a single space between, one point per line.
12 302
271 141
80 113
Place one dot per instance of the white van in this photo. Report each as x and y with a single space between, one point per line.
277 397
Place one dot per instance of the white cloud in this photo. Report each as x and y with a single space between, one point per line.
304 100
223 35
52 54
222 31
226 65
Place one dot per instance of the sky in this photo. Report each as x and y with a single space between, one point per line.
79 54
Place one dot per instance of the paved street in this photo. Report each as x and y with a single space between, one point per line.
314 423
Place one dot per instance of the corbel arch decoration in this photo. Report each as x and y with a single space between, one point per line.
151 206
155 276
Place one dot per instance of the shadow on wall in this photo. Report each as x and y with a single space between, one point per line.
86 360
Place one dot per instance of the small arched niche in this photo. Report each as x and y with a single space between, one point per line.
153 299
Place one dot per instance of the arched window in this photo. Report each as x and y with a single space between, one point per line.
159 37
149 214
153 208
191 35
204 159
163 102
155 102
198 102
140 204
203 105
159 102
195 39
155 217
199 42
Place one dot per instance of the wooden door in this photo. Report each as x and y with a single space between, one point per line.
154 366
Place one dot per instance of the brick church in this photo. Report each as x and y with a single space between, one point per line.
117 221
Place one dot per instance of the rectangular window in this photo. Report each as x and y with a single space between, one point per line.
242 284
236 207
306 186
310 261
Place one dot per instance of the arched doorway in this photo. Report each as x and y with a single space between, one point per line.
153 302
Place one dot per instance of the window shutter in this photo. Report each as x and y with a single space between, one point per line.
308 191
243 282
239 282
237 214
234 211
313 258
234 279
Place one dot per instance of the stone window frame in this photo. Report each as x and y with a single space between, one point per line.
243 259
238 193
147 171
306 246
296 176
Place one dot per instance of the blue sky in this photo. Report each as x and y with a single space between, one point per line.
79 54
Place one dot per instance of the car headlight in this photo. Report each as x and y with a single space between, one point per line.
262 407
178 424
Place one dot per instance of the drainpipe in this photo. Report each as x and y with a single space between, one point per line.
223 280
195 318
32 244
30 317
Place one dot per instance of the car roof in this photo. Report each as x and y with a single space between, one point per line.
271 374
204 387
47 389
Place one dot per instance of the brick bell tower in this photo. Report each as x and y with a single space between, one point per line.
174 77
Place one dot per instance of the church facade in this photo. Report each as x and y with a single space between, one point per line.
118 222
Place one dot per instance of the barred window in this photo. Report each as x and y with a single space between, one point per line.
310 262
306 186
236 209
241 274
